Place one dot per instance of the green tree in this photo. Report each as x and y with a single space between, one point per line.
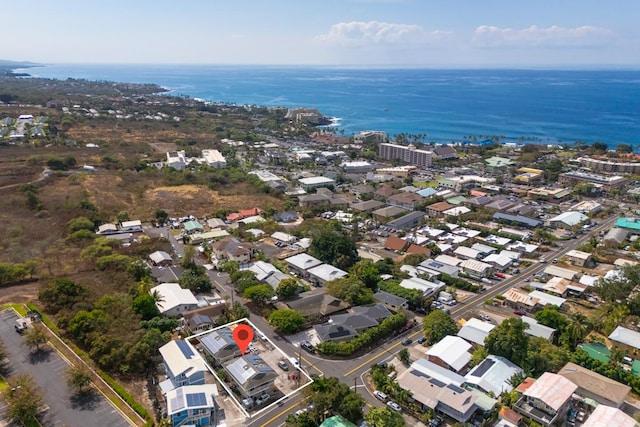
138 270
552 169
367 272
243 279
576 330
437 325
195 279
35 338
414 259
286 321
403 355
161 216
259 294
287 288
123 216
624 148
229 267
145 306
329 394
509 340
333 246
542 356
384 417
478 355
351 290
78 379
23 399
80 223
62 294
550 316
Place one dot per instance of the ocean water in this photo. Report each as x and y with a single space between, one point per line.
539 106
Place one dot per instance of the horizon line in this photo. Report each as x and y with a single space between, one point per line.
530 67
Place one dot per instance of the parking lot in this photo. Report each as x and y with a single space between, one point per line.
48 370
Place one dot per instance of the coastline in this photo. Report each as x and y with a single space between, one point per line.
539 107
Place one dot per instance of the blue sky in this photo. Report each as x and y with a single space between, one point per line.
424 33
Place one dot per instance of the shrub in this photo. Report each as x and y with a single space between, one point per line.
368 337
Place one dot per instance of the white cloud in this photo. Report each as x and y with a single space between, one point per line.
358 33
534 36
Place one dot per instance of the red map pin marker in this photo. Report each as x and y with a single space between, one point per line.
243 335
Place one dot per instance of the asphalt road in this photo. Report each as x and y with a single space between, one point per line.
48 369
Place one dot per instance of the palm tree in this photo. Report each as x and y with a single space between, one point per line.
577 329
144 285
157 296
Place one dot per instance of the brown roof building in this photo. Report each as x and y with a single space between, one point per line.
437 208
395 244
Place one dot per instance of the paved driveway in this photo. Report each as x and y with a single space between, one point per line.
48 370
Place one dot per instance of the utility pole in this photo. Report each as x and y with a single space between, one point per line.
299 364
355 384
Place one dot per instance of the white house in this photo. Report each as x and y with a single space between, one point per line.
324 273
450 352
492 375
131 226
183 365
174 300
214 158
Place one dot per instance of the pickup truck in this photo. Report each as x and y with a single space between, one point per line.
21 325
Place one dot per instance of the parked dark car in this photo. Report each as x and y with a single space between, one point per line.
421 340
520 312
307 346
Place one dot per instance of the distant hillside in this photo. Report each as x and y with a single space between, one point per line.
17 64
7 67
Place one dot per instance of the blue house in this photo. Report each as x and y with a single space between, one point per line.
183 365
192 405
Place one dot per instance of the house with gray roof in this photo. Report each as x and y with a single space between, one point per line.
334 332
439 267
368 206
436 388
391 301
475 331
378 312
220 345
160 258
536 329
357 322
616 235
626 337
316 304
300 263
203 318
324 273
517 219
568 219
251 374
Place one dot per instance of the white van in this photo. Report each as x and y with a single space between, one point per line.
380 395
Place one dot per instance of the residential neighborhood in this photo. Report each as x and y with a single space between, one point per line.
486 284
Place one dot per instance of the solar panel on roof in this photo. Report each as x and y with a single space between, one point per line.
196 399
184 348
483 367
